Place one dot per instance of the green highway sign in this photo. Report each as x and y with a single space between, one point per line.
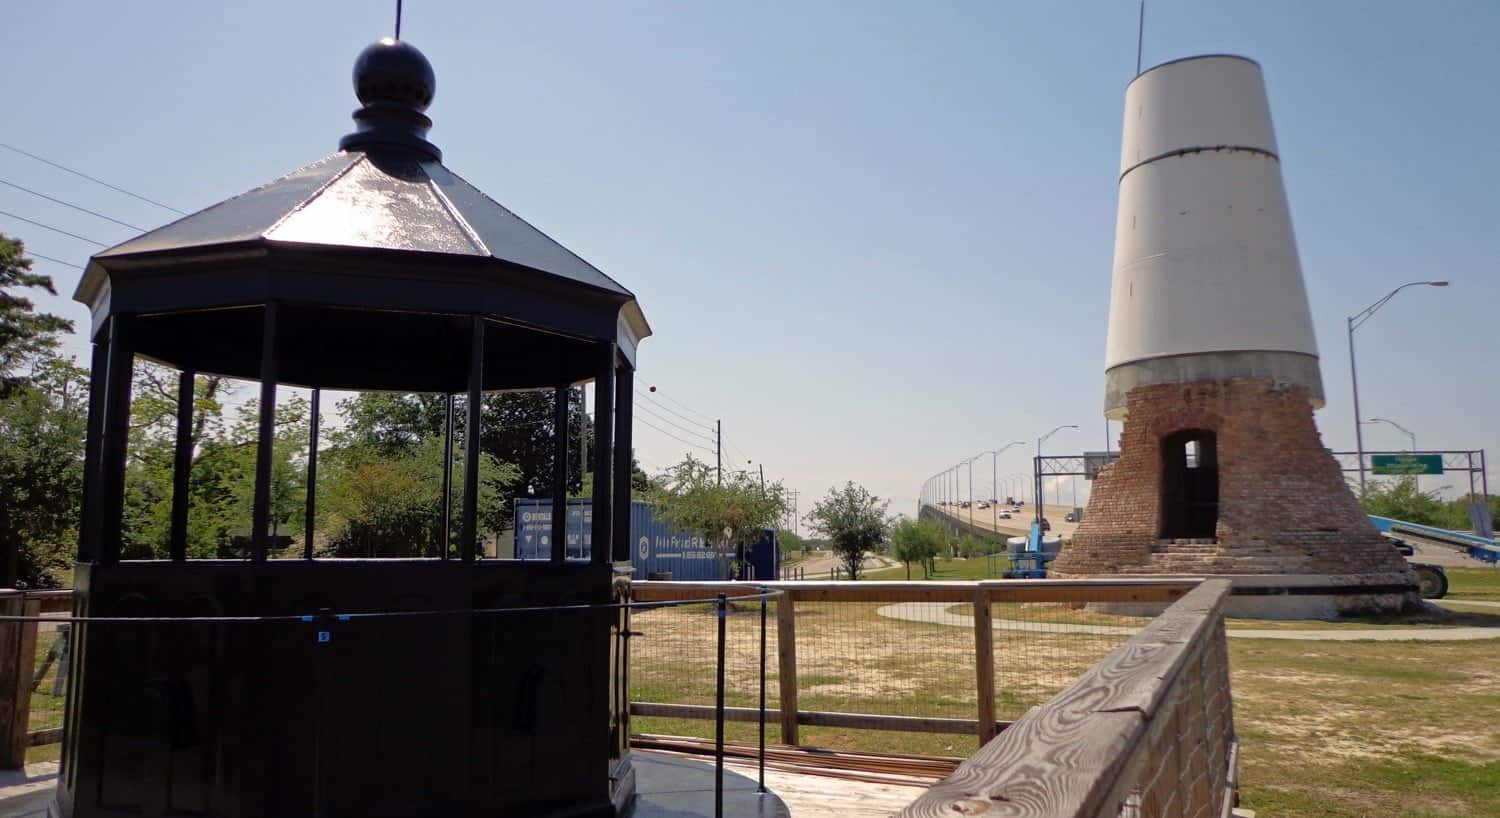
1406 463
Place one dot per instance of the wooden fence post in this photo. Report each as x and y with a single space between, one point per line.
984 663
786 665
17 660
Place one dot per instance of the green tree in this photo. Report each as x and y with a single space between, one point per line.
392 506
43 421
730 513
791 543
854 521
517 429
1456 513
26 335
1402 499
912 542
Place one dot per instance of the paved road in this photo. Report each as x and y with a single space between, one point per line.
938 613
1019 525
1446 556
819 566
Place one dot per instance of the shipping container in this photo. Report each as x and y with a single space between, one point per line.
658 551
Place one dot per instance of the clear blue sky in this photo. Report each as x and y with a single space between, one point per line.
830 211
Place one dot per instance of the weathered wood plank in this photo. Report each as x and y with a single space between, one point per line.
53 601
984 664
12 717
786 665
817 718
874 721
25 669
1070 756
1017 590
52 735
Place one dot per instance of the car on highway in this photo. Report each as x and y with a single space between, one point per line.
1005 515
1071 517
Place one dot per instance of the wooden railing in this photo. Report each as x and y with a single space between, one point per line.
981 595
1148 731
17 663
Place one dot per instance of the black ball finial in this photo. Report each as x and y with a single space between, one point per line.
395 85
394 72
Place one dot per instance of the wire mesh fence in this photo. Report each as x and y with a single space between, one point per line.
884 667
674 659
52 661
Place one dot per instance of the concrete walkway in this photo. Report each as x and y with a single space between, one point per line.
938 613
28 793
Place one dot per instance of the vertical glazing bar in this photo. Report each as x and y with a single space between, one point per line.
182 465
88 532
604 393
310 522
260 515
624 460
723 609
116 437
447 476
472 435
560 474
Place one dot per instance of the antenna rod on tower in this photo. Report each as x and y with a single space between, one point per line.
1140 35
398 26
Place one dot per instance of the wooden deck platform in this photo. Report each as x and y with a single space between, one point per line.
821 796
804 795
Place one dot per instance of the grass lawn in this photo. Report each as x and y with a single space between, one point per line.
1474 583
1368 728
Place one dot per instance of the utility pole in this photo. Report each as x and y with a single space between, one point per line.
719 452
762 479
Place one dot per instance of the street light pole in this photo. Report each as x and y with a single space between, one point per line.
1405 430
1038 467
971 492
1354 323
995 479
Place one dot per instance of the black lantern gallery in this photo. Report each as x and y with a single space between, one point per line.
375 268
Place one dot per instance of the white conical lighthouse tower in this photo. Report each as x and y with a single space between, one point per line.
1212 366
1206 279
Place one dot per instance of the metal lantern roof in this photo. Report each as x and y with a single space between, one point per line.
381 225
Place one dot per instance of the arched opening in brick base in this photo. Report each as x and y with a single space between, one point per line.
1189 485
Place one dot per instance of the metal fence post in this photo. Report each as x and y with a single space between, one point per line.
761 788
719 717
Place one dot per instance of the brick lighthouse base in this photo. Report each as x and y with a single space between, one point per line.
1230 478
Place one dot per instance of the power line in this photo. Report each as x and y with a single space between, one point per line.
74 206
53 229
687 408
54 260
95 180
648 425
665 408
677 426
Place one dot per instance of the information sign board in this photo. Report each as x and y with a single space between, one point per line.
1406 463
